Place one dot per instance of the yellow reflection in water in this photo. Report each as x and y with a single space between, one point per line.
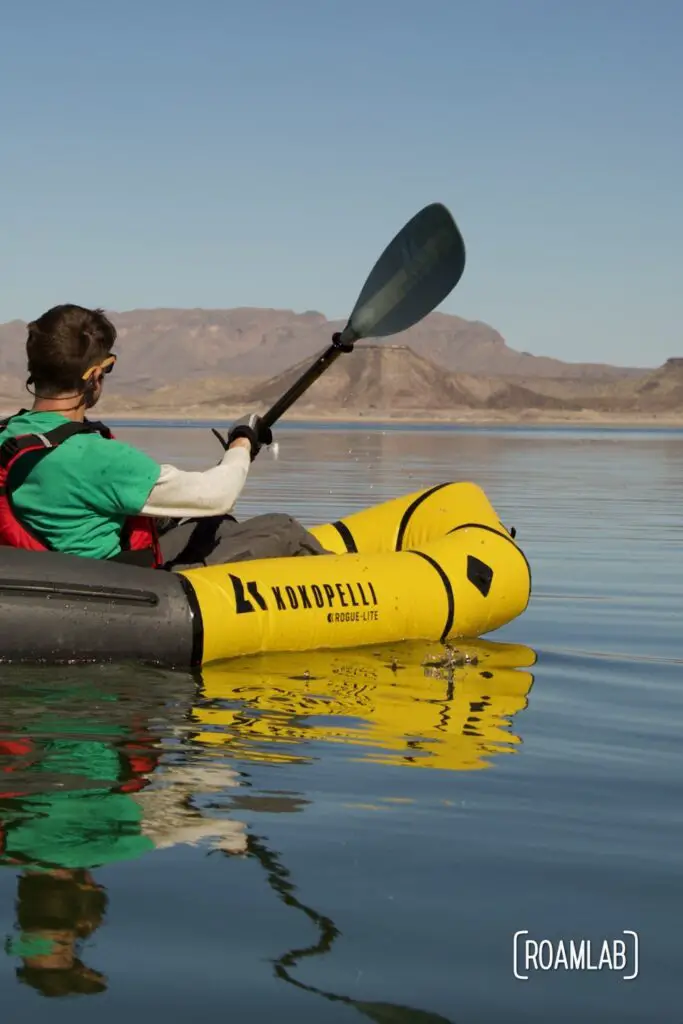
413 704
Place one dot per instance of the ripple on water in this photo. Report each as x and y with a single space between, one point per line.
320 837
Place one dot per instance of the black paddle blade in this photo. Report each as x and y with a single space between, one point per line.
416 271
414 274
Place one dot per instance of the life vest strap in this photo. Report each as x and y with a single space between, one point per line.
139 538
15 446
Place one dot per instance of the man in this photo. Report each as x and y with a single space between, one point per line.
66 485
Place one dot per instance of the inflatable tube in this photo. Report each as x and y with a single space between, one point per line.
435 565
469 582
411 704
410 521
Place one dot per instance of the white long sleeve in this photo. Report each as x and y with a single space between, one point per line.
213 492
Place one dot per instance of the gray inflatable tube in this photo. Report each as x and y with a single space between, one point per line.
60 608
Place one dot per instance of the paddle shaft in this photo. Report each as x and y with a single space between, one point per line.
340 343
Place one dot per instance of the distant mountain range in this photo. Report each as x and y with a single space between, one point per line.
392 380
194 361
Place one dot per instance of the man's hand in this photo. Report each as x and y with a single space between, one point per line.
251 428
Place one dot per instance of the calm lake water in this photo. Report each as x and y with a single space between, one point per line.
340 839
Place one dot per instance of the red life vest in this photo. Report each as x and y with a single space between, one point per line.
139 532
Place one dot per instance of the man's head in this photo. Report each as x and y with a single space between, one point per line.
56 910
69 351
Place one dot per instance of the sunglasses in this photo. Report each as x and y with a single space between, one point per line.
106 366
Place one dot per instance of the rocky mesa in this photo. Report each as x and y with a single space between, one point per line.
202 362
385 381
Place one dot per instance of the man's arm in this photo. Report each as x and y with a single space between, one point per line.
213 492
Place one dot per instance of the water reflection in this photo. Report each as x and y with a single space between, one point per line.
76 751
56 910
279 880
99 766
411 704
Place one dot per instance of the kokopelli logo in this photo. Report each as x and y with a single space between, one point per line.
242 602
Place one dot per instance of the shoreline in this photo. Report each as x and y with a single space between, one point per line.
466 418
530 418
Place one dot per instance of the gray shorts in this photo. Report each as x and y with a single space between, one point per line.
214 540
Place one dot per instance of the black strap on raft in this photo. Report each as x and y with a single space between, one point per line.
143 558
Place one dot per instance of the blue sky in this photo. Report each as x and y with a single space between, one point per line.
215 153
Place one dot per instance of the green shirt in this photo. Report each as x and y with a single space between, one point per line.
77 497
74 828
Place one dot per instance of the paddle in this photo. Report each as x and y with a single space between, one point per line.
417 270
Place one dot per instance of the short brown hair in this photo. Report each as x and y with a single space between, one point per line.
65 342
